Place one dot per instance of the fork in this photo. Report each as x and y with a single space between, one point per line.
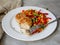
40 26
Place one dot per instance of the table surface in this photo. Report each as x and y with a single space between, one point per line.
54 39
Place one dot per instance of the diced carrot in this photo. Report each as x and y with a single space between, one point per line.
39 18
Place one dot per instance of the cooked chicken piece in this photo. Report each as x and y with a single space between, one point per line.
24 22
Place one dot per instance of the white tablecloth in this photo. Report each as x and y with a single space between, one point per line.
54 39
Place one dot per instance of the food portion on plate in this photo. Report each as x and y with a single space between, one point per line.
29 18
24 22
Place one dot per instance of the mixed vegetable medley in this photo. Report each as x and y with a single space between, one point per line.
37 18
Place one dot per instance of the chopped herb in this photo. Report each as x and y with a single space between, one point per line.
35 14
36 20
42 26
33 19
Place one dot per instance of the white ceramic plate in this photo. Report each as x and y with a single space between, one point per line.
10 26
